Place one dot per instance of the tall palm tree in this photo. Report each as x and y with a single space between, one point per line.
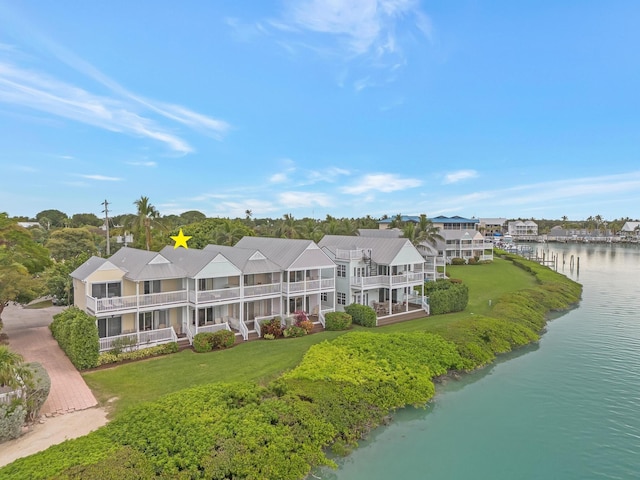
229 232
287 227
145 214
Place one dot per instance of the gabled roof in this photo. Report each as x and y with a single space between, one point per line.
288 253
88 267
191 260
383 250
142 265
248 260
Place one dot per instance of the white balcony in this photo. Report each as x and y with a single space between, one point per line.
213 296
378 281
259 290
307 286
132 302
148 338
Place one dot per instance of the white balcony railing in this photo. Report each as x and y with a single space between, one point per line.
343 254
148 338
113 304
221 294
314 285
257 290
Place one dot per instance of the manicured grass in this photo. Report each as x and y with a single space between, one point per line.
257 361
263 360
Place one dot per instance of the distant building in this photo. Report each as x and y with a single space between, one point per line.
526 230
493 227
630 229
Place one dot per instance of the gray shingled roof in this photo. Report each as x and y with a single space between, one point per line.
142 265
288 253
88 267
383 250
190 260
245 259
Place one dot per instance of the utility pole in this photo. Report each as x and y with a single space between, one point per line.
106 222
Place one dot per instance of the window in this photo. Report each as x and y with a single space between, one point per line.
106 290
109 327
324 297
152 286
342 298
342 271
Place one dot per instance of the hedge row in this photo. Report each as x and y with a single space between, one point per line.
361 314
77 334
446 296
337 321
208 341
108 358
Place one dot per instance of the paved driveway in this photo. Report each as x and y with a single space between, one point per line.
29 336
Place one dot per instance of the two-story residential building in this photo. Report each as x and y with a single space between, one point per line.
461 239
152 297
308 274
380 272
523 230
493 229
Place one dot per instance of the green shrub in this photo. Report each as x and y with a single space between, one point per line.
361 314
77 334
458 261
12 416
202 342
164 349
294 331
337 321
123 344
272 327
123 464
222 339
447 296
37 390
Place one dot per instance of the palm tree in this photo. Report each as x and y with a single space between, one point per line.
146 213
287 227
13 372
229 232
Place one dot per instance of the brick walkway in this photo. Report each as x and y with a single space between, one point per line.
30 337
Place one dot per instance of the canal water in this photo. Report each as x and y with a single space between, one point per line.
567 407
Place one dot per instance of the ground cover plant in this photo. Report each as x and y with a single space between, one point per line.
280 427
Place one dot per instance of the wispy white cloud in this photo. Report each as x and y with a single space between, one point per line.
304 199
122 111
101 178
280 177
459 175
143 164
381 182
563 196
328 175
41 92
348 30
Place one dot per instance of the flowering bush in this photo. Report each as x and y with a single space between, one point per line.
306 324
272 327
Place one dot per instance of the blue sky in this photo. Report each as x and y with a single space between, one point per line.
341 107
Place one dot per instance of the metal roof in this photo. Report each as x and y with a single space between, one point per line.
383 250
88 267
288 253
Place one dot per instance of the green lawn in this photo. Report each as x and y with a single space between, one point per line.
262 360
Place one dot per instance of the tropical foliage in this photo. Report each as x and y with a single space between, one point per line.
77 334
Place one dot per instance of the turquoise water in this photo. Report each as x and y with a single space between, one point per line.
565 408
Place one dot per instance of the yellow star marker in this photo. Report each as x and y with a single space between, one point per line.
180 239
